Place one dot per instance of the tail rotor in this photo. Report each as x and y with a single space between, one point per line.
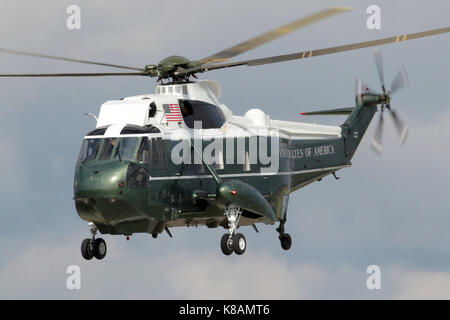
400 81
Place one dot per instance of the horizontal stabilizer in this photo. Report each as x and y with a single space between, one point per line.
330 112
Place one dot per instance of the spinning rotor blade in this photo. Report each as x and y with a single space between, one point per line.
245 46
32 54
358 91
104 74
377 140
379 63
320 52
400 81
400 126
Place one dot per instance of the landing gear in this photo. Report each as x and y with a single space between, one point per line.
93 247
226 244
230 241
99 248
285 238
87 250
239 243
235 243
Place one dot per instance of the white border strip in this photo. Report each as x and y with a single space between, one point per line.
259 174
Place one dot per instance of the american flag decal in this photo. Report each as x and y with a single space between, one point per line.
172 113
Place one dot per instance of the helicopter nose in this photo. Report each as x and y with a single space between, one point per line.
101 180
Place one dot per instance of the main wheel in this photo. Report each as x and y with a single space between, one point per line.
99 248
87 249
239 243
286 241
226 244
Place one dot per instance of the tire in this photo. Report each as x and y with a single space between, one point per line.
87 249
99 248
239 243
286 241
226 244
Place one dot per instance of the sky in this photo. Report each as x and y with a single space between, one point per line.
391 211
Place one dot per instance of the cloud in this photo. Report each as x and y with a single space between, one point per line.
38 271
422 285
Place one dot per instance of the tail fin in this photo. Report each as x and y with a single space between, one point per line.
357 122
355 126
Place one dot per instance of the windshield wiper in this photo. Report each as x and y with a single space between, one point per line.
118 152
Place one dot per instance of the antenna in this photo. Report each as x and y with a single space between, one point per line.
92 115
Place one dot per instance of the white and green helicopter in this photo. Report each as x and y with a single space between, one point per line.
179 157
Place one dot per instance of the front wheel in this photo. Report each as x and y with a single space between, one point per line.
226 244
87 250
286 241
239 243
99 248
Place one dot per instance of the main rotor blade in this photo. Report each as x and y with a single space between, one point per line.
32 54
358 91
103 74
379 63
400 81
245 46
400 126
377 140
320 52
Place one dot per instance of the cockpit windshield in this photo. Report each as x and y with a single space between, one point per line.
129 148
89 149
107 149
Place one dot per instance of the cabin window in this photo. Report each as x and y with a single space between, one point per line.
209 115
137 176
177 89
185 89
170 89
163 90
152 110
157 159
196 162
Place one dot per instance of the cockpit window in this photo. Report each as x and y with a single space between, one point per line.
127 148
146 151
89 149
108 147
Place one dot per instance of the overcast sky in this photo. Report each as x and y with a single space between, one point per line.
391 211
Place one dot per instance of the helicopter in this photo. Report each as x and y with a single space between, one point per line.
179 157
